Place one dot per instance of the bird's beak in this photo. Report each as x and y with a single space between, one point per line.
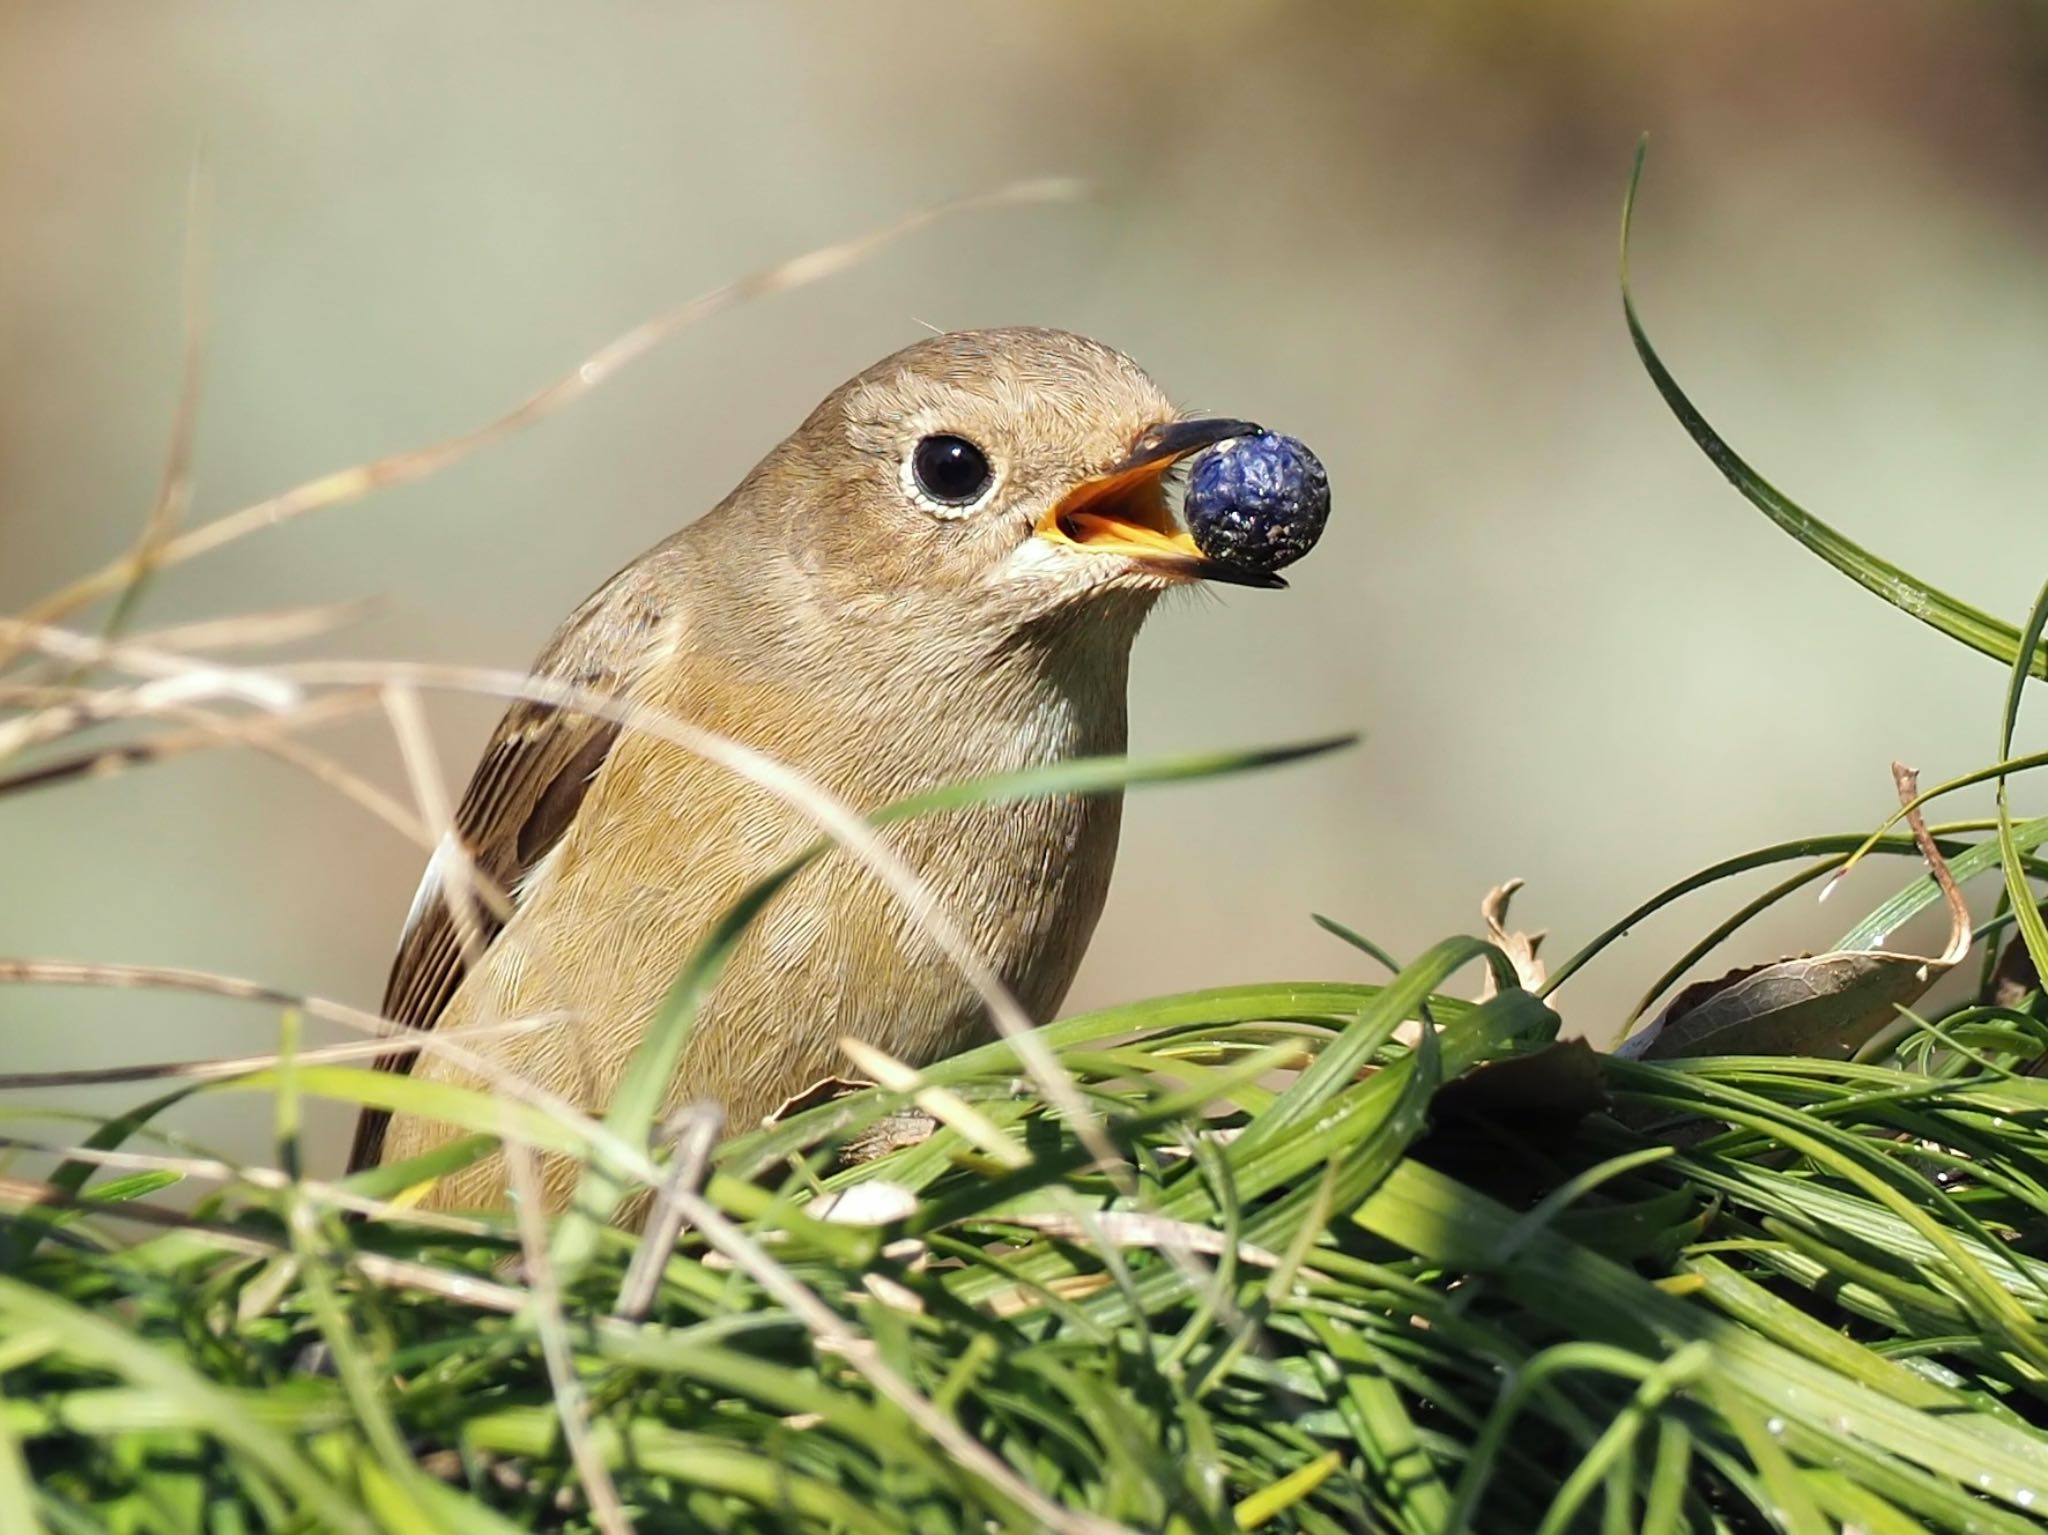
1124 510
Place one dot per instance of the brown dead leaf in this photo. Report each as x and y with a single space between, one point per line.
821 1092
892 1132
1520 948
1814 1004
1558 1081
1825 1005
1497 1127
2014 979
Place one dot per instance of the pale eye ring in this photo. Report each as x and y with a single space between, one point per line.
950 471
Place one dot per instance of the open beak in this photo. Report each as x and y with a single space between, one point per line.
1124 511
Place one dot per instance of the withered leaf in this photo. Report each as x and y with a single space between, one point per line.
821 1092
1825 1005
1816 1004
1519 947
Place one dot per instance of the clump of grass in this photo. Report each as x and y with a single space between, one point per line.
1313 1256
1349 1303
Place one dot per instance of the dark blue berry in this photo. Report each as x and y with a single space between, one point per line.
1257 503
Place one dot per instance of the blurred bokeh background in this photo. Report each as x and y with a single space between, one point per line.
1575 654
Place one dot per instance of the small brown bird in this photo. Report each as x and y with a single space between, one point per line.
937 577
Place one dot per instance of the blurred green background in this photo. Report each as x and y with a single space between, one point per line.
1577 656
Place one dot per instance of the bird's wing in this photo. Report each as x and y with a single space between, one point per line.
525 792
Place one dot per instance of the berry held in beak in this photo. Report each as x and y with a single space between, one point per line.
1124 512
1257 503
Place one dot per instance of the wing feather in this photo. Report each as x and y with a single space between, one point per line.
527 789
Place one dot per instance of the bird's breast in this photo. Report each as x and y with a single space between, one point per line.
667 841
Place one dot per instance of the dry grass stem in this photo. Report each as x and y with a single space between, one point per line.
697 1127
570 1404
220 1068
353 484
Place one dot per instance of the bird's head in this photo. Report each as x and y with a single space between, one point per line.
1002 479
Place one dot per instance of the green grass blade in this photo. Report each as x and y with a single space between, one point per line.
1594 1298
1106 775
103 1341
1917 897
1832 851
2025 909
1908 593
18 1238
1407 996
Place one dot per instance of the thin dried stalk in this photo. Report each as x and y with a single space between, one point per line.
411 1041
174 490
254 631
571 1406
593 1134
268 737
399 1273
33 1194
145 660
355 483
697 1130
265 733
212 1170
464 1289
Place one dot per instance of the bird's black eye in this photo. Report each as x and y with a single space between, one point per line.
950 469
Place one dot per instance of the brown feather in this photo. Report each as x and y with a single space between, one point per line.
525 792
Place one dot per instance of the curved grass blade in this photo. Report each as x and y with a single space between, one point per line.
20 1236
1761 858
1103 775
388 1180
2025 910
1829 1004
1908 593
1924 892
1344 1057
1357 940
1919 801
1717 936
